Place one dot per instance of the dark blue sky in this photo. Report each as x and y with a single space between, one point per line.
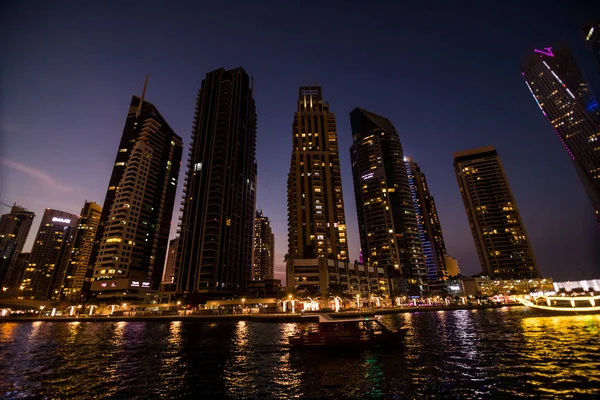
445 73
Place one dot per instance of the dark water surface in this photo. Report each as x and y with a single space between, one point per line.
488 354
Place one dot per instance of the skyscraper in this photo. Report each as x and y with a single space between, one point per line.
591 34
133 232
76 279
14 228
502 244
170 267
216 243
565 98
49 254
428 223
316 218
387 221
264 248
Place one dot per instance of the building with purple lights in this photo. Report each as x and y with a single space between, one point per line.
387 221
428 223
566 100
263 266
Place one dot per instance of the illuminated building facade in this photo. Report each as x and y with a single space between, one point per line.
565 98
591 35
502 244
389 235
49 255
489 287
170 266
76 278
14 228
264 248
350 278
316 218
136 218
216 241
428 223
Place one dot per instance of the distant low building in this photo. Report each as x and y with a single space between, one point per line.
265 287
319 275
487 287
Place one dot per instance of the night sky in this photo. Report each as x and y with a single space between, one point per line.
447 76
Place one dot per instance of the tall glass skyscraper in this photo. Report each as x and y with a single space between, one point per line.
216 243
387 221
565 98
430 229
316 218
502 244
133 231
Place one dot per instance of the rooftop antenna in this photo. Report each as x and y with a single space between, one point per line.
139 109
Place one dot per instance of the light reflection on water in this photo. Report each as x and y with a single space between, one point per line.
506 353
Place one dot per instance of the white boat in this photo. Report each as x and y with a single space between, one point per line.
564 304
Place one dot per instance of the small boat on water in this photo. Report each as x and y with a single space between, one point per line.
348 333
565 305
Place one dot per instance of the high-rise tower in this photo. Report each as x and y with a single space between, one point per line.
502 244
14 228
49 255
428 223
134 227
76 279
387 222
565 98
264 248
316 218
216 243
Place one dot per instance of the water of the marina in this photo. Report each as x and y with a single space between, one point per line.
488 354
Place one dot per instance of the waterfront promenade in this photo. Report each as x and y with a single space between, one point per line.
275 317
